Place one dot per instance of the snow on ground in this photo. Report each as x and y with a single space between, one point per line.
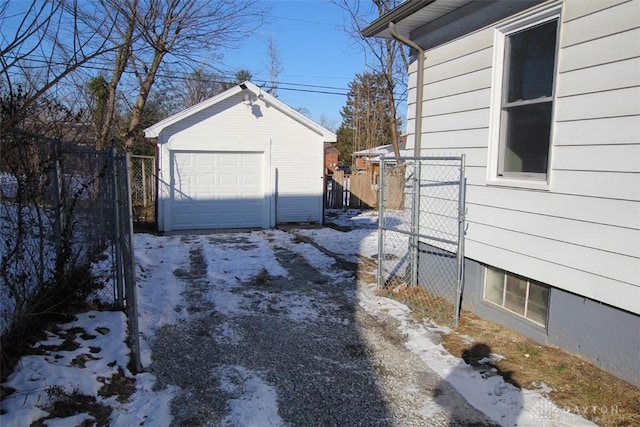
101 351
258 405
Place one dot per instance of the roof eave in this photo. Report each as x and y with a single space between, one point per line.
154 130
396 15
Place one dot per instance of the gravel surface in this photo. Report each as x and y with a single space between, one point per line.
302 341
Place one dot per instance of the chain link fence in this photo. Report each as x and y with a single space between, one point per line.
143 189
65 231
421 234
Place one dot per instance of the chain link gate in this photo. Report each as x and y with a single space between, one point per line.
421 234
143 188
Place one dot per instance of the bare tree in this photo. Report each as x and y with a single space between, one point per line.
121 17
176 35
198 86
40 47
274 65
387 58
327 122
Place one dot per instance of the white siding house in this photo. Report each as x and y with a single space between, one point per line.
543 97
241 159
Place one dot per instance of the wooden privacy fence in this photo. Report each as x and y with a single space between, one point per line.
361 190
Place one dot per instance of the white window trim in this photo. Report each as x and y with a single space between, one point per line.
528 19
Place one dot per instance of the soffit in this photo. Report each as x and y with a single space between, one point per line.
411 15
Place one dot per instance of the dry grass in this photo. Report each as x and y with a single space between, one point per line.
577 386
439 309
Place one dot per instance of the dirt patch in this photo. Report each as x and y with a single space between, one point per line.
576 385
119 385
69 405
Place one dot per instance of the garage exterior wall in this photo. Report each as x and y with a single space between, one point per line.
293 153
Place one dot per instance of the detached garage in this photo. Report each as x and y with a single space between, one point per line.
242 159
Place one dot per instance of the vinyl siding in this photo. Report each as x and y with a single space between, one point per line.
293 151
582 233
300 179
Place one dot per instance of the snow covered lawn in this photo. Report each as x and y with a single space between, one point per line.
223 279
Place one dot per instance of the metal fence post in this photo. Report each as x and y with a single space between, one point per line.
381 224
461 226
119 288
415 223
130 262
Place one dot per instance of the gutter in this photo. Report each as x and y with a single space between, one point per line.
419 85
401 12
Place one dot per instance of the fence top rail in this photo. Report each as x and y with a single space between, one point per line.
458 158
136 156
419 235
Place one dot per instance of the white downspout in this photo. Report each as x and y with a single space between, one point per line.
415 217
419 85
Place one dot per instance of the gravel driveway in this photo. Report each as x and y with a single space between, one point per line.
300 341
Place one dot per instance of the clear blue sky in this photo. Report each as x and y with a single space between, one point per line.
313 49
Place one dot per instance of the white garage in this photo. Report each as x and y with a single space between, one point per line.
242 159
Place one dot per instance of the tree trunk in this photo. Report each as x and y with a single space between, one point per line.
141 100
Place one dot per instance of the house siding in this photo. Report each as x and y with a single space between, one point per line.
294 153
582 234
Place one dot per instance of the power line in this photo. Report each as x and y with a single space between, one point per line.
306 85
311 91
330 90
304 21
298 87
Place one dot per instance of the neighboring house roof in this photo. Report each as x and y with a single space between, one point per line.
375 151
373 154
154 130
330 148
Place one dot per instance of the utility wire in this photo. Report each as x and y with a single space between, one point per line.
184 76
305 21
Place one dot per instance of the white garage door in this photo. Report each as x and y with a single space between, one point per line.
217 190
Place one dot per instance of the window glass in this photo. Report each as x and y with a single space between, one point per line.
527 91
538 302
494 287
527 139
531 62
515 294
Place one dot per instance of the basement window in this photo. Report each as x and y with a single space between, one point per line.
517 294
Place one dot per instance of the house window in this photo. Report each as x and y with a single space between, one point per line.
517 294
528 65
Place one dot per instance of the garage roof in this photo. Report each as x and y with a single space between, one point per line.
154 130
